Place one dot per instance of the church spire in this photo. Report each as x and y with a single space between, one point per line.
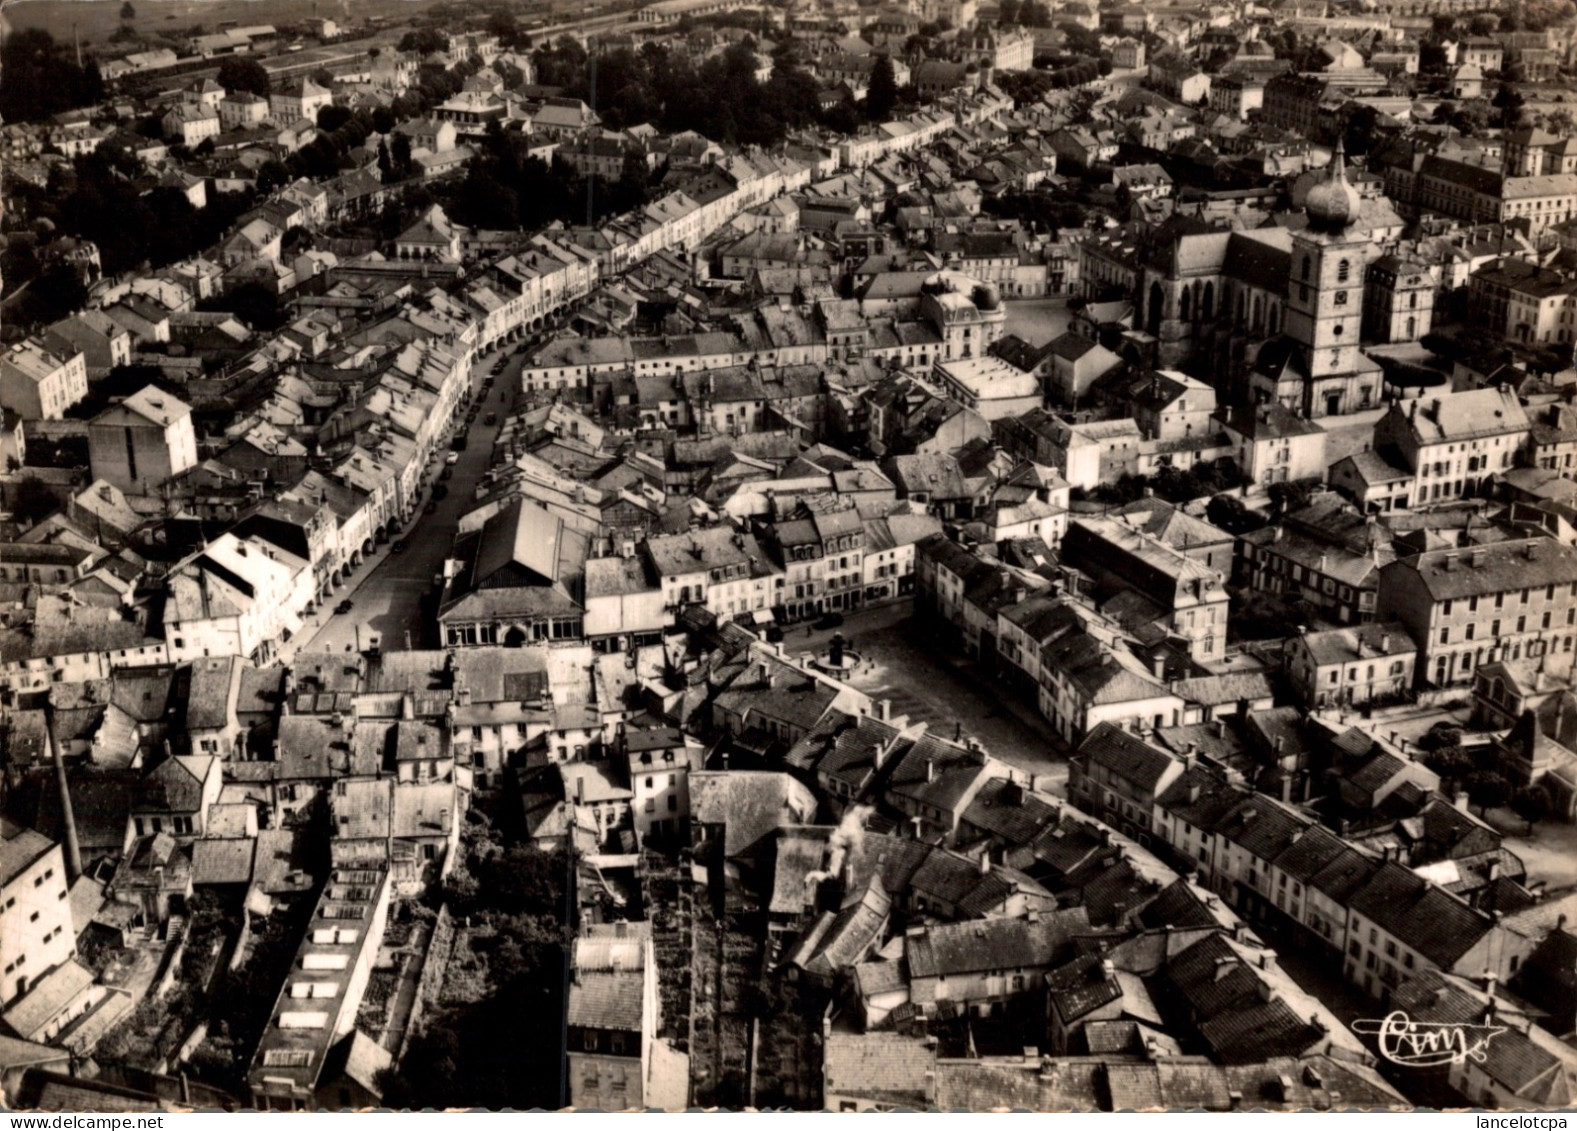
1339 163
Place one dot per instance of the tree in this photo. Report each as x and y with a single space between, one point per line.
1007 12
1441 737
1487 790
883 95
1358 137
331 118
1449 763
400 155
238 75
1532 803
42 79
60 289
127 12
481 202
1509 102
272 174
254 304
1080 40
33 501
502 23
1230 514
1290 496
424 41
561 64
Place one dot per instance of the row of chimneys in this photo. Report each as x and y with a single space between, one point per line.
1530 552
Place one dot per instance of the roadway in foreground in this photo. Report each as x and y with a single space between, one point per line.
387 591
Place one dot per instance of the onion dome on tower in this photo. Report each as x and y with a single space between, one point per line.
1332 205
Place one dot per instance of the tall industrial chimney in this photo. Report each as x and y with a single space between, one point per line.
73 850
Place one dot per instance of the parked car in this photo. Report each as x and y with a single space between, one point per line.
490 418
458 443
344 607
452 458
398 547
448 473
440 491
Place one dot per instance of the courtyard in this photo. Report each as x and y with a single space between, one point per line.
1038 320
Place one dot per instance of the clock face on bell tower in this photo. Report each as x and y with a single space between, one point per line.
1325 301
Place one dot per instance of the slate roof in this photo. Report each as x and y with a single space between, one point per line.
1261 826
606 999
1535 1075
1503 566
1007 810
844 747
883 1067
1101 673
1178 905
749 804
785 695
1421 915
19 848
46 997
1082 986
1235 1016
937 773
1357 642
1127 756
223 861
1171 524
993 944
1463 416
1200 797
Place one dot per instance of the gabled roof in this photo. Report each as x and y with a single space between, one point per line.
1421 915
1171 524
993 944
1127 756
748 804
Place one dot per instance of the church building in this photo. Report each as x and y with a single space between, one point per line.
1278 313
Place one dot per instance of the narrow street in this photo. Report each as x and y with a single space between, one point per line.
387 590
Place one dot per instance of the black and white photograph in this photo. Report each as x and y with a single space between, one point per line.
788 555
